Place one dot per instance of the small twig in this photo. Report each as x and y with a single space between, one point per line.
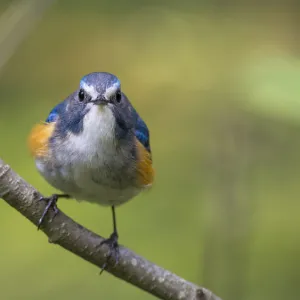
68 234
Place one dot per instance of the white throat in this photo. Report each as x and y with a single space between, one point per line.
98 132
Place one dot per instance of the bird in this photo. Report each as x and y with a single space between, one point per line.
94 147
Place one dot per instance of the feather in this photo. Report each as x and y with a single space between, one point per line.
38 140
144 166
142 132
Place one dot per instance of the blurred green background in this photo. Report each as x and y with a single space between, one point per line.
218 83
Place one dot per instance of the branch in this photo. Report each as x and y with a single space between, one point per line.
73 237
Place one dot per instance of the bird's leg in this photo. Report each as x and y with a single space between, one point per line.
51 202
112 243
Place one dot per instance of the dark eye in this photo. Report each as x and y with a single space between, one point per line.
81 95
118 96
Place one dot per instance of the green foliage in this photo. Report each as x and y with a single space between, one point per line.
274 82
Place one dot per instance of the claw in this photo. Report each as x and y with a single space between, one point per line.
51 202
114 251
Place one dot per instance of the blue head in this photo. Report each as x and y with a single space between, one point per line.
99 109
100 88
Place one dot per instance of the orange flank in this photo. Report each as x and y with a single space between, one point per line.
144 166
39 138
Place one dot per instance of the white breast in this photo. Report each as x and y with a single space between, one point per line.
90 166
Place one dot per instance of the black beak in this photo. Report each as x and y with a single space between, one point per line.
101 100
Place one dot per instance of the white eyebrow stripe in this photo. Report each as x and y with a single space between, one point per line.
111 90
90 90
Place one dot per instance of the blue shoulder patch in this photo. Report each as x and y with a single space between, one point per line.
68 122
142 132
55 112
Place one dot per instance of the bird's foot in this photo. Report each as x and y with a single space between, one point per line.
51 202
114 251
